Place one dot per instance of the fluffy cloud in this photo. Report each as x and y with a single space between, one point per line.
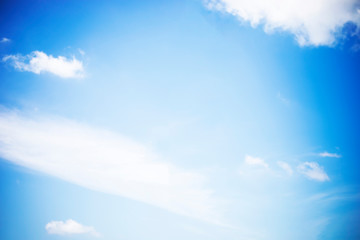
69 227
38 62
286 167
5 40
104 161
331 155
249 160
313 171
312 22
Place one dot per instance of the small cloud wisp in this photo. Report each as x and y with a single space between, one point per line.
5 40
313 171
331 155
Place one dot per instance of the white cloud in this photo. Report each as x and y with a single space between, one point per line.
286 167
104 161
249 160
312 22
313 171
331 155
38 62
5 40
69 227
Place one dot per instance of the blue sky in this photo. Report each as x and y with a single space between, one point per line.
220 119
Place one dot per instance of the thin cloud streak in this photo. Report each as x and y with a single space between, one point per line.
104 161
331 155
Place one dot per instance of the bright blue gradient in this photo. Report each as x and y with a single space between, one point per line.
204 91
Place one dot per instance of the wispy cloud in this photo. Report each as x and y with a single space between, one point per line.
69 227
39 62
104 161
331 155
286 167
337 195
312 22
255 161
5 40
82 52
282 99
313 171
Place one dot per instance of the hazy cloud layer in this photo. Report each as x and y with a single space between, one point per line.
103 161
39 62
69 227
312 22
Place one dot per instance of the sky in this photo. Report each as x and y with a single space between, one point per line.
193 119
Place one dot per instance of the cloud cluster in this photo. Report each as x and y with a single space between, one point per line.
38 62
312 22
69 227
313 171
104 161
